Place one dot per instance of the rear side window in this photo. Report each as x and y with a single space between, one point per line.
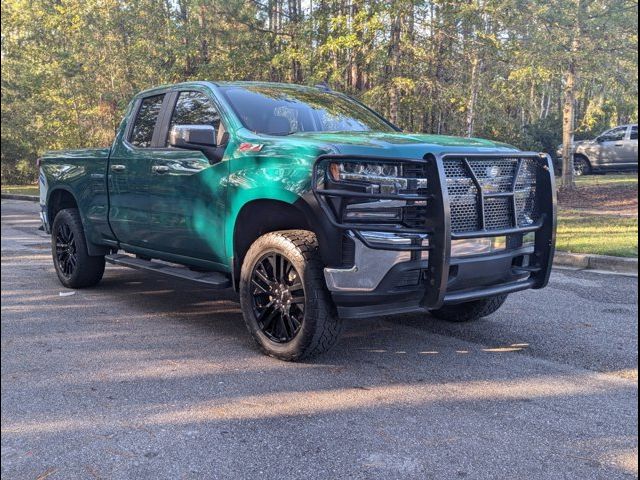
145 122
634 132
195 108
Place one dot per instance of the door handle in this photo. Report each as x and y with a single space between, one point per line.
160 169
118 168
619 144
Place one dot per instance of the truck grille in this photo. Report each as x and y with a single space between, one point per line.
507 190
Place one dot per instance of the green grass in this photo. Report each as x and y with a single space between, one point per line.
21 189
600 234
617 179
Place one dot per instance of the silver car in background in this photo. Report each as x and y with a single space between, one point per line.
615 149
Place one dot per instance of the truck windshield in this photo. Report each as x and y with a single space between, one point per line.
285 110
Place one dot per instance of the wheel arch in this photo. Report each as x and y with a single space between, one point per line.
60 198
268 214
585 156
258 217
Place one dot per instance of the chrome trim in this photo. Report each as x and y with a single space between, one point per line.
378 204
370 265
390 238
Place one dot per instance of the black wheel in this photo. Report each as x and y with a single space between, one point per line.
284 300
469 311
74 266
581 166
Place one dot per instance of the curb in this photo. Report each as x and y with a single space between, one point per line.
596 262
15 196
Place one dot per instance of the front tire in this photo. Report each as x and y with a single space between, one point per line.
285 302
581 166
469 311
74 266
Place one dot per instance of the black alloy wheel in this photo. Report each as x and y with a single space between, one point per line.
74 266
278 297
285 302
66 250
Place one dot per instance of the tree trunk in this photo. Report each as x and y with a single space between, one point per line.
204 44
569 107
394 60
473 94
568 123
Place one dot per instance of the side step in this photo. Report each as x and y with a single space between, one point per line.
212 279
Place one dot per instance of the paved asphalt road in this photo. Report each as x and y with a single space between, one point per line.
144 377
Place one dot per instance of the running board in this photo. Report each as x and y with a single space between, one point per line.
211 279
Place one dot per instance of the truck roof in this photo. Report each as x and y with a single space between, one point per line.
225 83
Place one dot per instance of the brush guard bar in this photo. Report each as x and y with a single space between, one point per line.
435 225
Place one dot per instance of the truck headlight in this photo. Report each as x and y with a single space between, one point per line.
385 178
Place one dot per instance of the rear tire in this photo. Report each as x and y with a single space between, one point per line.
285 302
469 311
74 266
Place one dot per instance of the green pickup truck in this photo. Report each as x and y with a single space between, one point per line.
313 207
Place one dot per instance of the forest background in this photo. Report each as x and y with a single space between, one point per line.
530 73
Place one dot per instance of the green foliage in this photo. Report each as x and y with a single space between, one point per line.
491 68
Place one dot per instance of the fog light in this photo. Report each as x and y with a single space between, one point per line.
387 211
364 215
478 246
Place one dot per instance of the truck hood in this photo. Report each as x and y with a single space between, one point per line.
397 144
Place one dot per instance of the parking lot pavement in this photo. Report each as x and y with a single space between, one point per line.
144 377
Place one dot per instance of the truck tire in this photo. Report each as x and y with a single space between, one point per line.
469 311
285 302
74 266
581 166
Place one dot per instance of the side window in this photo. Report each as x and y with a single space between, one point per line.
195 108
634 132
145 122
614 135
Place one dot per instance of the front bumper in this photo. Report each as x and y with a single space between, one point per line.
403 269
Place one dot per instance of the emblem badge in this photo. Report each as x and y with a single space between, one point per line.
493 171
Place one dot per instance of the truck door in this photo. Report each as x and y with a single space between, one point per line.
129 172
187 193
612 146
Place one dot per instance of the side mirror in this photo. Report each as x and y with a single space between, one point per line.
193 137
196 137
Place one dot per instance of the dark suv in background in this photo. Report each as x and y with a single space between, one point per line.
615 149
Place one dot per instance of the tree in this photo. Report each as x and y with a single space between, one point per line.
525 72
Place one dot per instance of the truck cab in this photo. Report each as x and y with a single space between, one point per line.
313 207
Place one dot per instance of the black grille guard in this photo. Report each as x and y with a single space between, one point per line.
437 224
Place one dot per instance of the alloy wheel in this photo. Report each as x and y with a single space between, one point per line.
66 250
278 297
580 167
